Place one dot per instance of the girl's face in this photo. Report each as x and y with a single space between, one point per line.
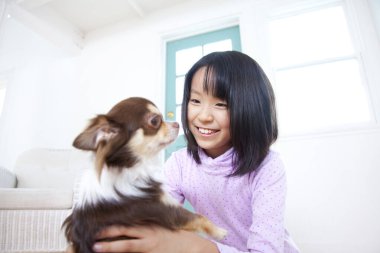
209 118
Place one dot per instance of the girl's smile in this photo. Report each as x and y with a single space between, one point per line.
207 132
208 117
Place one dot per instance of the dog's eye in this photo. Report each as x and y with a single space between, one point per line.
155 121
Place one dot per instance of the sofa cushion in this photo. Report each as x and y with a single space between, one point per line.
50 168
35 199
7 178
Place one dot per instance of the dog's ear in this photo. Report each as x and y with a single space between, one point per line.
99 129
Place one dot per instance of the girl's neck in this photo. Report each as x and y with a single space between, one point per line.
214 153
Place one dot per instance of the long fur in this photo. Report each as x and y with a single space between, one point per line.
123 187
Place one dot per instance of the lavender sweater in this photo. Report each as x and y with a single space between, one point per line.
251 209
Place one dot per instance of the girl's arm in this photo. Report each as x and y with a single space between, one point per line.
267 230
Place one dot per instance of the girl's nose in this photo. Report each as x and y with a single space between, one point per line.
205 114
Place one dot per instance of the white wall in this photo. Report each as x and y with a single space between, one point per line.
333 191
333 198
41 82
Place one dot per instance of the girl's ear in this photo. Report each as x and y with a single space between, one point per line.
99 129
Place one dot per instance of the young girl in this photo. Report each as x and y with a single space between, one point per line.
228 172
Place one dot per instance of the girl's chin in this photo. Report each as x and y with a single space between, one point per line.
212 149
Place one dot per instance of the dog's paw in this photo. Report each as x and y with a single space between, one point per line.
219 233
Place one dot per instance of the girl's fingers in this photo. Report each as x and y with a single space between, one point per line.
111 231
115 231
119 246
128 245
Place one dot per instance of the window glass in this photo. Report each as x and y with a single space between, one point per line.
310 36
318 78
223 45
320 96
179 86
185 59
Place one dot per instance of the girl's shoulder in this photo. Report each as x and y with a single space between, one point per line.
272 157
180 154
179 158
272 167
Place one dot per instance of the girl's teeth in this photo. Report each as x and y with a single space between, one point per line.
205 131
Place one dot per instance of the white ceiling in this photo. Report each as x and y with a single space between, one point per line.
89 15
66 23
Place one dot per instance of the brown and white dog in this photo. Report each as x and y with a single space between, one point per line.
122 188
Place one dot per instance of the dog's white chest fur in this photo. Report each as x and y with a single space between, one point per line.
128 182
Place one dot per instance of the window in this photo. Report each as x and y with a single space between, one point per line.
318 77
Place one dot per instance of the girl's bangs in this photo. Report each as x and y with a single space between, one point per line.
213 83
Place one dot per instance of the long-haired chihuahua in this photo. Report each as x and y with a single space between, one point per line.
123 187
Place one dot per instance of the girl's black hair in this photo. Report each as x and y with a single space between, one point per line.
239 80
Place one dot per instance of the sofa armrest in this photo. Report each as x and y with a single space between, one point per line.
7 179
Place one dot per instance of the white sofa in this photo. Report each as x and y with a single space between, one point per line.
36 197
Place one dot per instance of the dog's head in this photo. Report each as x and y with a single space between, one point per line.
133 130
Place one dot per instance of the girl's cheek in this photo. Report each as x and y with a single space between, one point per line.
191 110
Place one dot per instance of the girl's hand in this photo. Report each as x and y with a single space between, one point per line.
153 240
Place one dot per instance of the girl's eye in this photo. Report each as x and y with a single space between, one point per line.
194 101
224 105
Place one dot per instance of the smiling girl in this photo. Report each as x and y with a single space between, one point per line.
227 172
